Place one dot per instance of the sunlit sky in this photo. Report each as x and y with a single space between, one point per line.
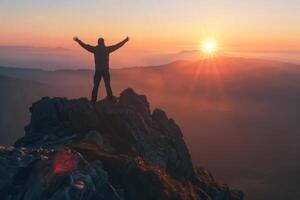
156 25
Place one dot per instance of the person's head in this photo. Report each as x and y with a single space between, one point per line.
101 42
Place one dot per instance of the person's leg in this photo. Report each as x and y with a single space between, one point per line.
97 79
106 77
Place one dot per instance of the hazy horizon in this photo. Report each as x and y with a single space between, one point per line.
157 29
62 58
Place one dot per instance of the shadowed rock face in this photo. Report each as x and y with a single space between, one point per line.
73 150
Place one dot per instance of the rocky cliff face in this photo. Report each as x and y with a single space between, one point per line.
73 150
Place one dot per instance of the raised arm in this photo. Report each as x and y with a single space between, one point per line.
117 46
83 45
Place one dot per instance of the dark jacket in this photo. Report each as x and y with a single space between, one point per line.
101 53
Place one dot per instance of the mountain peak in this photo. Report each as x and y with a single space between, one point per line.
105 151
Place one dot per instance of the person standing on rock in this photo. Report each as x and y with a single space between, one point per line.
101 55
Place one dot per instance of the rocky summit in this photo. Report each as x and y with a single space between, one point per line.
74 150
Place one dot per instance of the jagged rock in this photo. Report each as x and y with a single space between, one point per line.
215 189
73 150
127 126
28 177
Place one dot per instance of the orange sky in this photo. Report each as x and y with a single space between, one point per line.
153 26
168 25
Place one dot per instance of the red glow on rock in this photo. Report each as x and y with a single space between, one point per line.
64 162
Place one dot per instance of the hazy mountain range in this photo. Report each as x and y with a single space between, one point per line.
240 117
67 58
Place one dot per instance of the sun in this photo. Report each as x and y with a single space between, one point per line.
209 46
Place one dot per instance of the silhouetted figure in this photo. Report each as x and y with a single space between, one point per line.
101 55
